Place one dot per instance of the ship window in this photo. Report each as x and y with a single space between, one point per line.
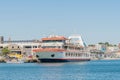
79 54
37 56
12 46
66 54
69 54
39 46
34 46
58 46
53 55
65 47
48 46
72 54
27 46
87 55
1 46
76 54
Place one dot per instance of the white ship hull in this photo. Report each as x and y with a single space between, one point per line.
61 57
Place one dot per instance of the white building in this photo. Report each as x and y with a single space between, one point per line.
21 46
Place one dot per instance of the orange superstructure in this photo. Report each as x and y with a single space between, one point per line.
54 38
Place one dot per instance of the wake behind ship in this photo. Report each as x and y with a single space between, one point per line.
62 49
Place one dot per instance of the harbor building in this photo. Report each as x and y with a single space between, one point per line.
20 46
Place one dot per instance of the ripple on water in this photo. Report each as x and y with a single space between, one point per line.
93 70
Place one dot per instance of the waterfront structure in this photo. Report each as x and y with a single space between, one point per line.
70 49
62 49
96 51
20 46
104 51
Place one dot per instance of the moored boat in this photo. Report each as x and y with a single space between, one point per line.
14 60
61 49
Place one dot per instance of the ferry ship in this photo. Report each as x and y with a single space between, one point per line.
62 49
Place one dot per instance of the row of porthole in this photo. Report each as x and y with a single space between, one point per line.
73 54
76 54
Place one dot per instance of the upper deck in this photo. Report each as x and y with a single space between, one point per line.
54 38
53 41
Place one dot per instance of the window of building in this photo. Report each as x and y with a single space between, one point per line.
12 46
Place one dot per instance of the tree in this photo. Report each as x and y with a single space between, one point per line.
107 44
100 43
5 51
92 45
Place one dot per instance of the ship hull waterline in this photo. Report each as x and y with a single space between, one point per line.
62 60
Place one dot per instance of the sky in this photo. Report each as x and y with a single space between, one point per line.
95 20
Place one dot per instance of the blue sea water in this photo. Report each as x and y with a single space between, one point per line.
91 70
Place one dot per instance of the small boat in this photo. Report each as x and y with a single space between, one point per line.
14 61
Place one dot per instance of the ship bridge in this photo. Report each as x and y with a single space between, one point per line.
77 39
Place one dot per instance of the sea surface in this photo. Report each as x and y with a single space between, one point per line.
91 70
